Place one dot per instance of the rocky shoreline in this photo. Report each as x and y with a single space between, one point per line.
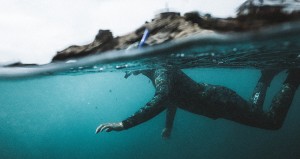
168 26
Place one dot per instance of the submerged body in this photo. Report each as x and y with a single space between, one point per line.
174 89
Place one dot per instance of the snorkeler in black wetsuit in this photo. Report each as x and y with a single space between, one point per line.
174 89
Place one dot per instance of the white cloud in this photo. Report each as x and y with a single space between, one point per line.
33 31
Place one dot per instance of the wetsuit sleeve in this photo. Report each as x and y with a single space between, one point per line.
155 105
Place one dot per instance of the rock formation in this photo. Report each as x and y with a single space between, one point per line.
171 25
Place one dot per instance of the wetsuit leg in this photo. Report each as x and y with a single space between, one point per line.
283 100
221 102
258 96
272 119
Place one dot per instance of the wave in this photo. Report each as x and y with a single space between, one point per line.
272 47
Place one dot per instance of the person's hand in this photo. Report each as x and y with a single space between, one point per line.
166 133
129 73
108 127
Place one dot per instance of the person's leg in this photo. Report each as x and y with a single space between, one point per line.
231 106
272 119
259 93
225 103
283 100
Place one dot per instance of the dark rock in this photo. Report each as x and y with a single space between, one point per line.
19 64
104 35
167 15
103 41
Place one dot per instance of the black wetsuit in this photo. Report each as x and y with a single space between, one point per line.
174 89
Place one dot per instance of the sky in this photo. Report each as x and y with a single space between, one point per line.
33 31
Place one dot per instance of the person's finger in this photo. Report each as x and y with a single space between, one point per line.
99 128
166 133
104 127
108 129
166 136
127 74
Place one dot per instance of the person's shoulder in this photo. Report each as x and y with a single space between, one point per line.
167 71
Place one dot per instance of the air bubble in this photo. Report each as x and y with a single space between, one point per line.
180 55
121 66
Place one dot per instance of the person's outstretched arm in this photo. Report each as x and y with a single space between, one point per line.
166 132
150 110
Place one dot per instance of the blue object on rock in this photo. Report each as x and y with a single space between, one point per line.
144 38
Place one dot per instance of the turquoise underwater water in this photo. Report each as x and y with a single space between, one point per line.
56 116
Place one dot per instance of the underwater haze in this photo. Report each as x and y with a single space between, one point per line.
56 117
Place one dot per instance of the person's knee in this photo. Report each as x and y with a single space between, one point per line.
293 77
